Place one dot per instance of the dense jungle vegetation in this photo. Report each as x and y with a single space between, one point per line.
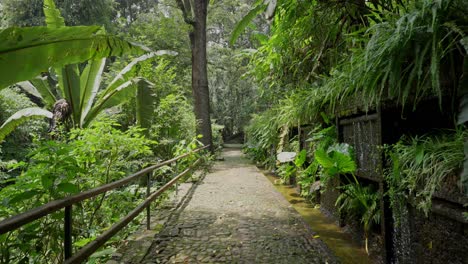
82 104
321 60
92 91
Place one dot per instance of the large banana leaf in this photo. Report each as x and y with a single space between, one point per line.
145 98
43 87
90 81
30 89
40 88
129 70
106 100
26 52
20 117
69 83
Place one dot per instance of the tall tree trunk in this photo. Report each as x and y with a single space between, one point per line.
200 89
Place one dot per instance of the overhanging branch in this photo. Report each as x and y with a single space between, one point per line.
186 9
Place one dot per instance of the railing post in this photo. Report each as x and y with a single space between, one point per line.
148 208
67 239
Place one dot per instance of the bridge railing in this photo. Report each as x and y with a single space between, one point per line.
66 203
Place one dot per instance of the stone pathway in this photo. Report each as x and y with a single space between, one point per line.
234 215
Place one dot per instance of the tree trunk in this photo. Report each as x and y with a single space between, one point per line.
200 89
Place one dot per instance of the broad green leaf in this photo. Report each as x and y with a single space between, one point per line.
323 159
245 21
129 70
23 196
332 171
67 187
113 98
69 83
26 52
43 87
20 117
82 242
343 162
90 81
30 89
47 181
144 103
301 158
53 17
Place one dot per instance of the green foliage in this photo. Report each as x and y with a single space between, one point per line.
216 131
285 171
21 116
246 20
232 94
317 57
419 165
174 119
144 104
21 13
338 159
88 158
163 28
43 47
26 13
78 87
361 202
262 137
300 158
412 51
53 18
16 146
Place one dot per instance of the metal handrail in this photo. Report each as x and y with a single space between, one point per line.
19 220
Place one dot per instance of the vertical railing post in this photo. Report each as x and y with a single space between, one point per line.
67 239
148 208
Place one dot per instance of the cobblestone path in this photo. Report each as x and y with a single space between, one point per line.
235 215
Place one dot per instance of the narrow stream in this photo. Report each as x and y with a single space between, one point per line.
347 251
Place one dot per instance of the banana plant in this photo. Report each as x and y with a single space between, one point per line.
26 52
77 90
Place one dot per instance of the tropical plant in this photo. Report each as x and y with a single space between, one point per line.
307 177
286 171
19 143
87 158
55 46
262 137
80 88
419 165
412 51
362 202
337 160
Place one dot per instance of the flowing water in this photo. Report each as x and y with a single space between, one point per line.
339 242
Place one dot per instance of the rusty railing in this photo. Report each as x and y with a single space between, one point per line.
22 219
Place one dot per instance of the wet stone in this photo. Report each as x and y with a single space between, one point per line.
234 215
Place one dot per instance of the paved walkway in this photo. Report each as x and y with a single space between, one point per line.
235 215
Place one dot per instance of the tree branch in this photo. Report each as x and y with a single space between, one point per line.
186 9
